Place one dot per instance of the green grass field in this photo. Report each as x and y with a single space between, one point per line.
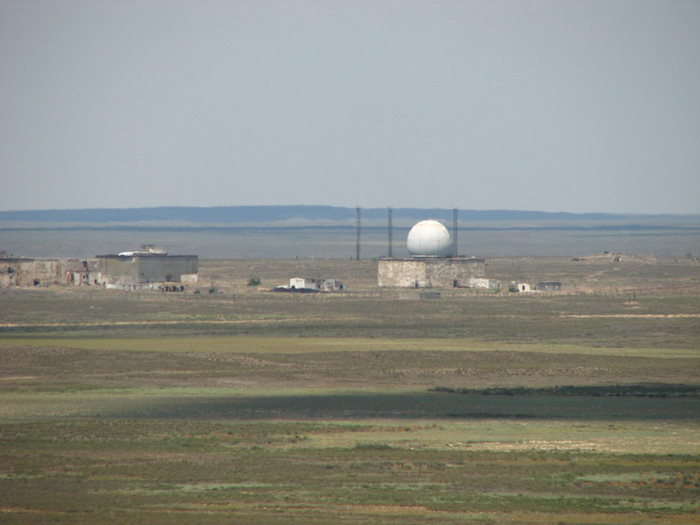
245 406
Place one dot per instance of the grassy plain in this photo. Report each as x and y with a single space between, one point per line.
249 406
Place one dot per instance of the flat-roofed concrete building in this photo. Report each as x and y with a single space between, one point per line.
128 270
30 272
142 268
427 272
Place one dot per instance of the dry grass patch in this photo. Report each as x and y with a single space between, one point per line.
297 345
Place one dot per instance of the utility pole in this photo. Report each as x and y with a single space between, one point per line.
391 248
358 233
455 228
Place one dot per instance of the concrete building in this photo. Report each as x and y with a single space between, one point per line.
128 270
139 268
431 264
452 272
26 272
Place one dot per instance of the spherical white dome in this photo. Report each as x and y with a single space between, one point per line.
429 239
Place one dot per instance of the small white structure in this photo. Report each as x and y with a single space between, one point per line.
484 284
520 287
318 285
302 283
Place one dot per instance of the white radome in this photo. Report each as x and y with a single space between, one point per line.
429 239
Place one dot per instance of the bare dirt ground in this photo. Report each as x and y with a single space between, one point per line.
631 303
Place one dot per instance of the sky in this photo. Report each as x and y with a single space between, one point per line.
575 106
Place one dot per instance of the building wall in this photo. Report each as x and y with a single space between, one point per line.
150 268
9 272
402 273
108 269
485 284
429 272
43 272
167 268
121 270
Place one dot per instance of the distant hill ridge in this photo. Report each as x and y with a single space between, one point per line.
272 214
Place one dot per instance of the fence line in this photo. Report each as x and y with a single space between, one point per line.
631 293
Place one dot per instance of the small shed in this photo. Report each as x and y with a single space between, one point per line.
519 287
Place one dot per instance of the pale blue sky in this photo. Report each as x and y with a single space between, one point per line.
578 106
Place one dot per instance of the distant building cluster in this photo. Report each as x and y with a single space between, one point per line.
148 268
433 263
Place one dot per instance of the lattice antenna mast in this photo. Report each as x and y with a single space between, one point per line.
358 233
455 230
391 243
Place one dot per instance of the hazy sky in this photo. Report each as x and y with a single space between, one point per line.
580 106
